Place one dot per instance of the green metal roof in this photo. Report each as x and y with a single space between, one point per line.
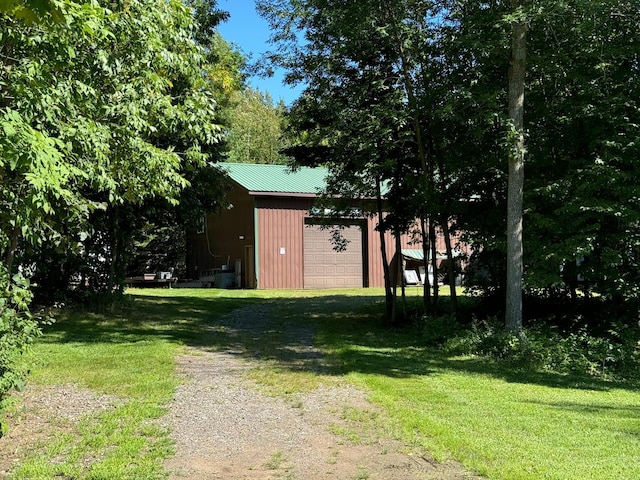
418 254
413 254
276 178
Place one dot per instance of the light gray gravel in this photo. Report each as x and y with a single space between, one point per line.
226 428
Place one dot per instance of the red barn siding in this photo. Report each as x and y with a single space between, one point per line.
221 241
280 229
376 272
279 224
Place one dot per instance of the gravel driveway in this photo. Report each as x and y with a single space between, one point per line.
226 428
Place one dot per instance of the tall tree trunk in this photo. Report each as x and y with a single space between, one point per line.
400 275
394 286
392 308
121 258
517 71
388 293
444 223
114 250
14 233
426 290
10 254
427 166
451 266
434 262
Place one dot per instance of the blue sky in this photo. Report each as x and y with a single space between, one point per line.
250 33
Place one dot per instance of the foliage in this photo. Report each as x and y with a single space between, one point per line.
111 111
18 329
31 10
387 78
583 206
615 354
225 65
255 131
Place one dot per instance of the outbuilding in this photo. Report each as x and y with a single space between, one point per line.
272 237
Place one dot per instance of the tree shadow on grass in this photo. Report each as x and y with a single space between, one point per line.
330 334
182 320
350 332
607 411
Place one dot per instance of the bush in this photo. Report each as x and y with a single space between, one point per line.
18 329
543 348
440 329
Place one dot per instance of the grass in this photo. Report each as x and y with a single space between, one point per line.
513 430
126 352
279 381
502 423
276 461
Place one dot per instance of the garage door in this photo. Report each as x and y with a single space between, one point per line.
326 268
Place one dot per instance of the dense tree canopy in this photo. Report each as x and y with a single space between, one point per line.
255 128
108 112
401 90
105 108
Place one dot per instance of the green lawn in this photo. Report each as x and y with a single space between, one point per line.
502 423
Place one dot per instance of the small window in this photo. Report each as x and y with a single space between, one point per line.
201 224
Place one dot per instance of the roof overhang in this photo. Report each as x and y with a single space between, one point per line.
282 194
418 254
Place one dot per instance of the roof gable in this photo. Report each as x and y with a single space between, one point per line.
261 178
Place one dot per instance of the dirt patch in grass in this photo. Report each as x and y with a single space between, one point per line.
41 413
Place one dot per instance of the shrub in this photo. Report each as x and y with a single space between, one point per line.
437 330
543 348
18 329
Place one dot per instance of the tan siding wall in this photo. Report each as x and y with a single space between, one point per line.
376 274
281 223
324 267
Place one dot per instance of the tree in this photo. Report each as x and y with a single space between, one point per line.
580 111
129 103
516 78
582 215
109 116
378 90
354 109
255 132
101 110
422 85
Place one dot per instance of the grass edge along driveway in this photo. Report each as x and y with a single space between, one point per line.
501 423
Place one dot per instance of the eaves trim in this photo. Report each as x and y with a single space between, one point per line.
281 194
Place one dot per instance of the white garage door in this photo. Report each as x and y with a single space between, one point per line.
326 268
